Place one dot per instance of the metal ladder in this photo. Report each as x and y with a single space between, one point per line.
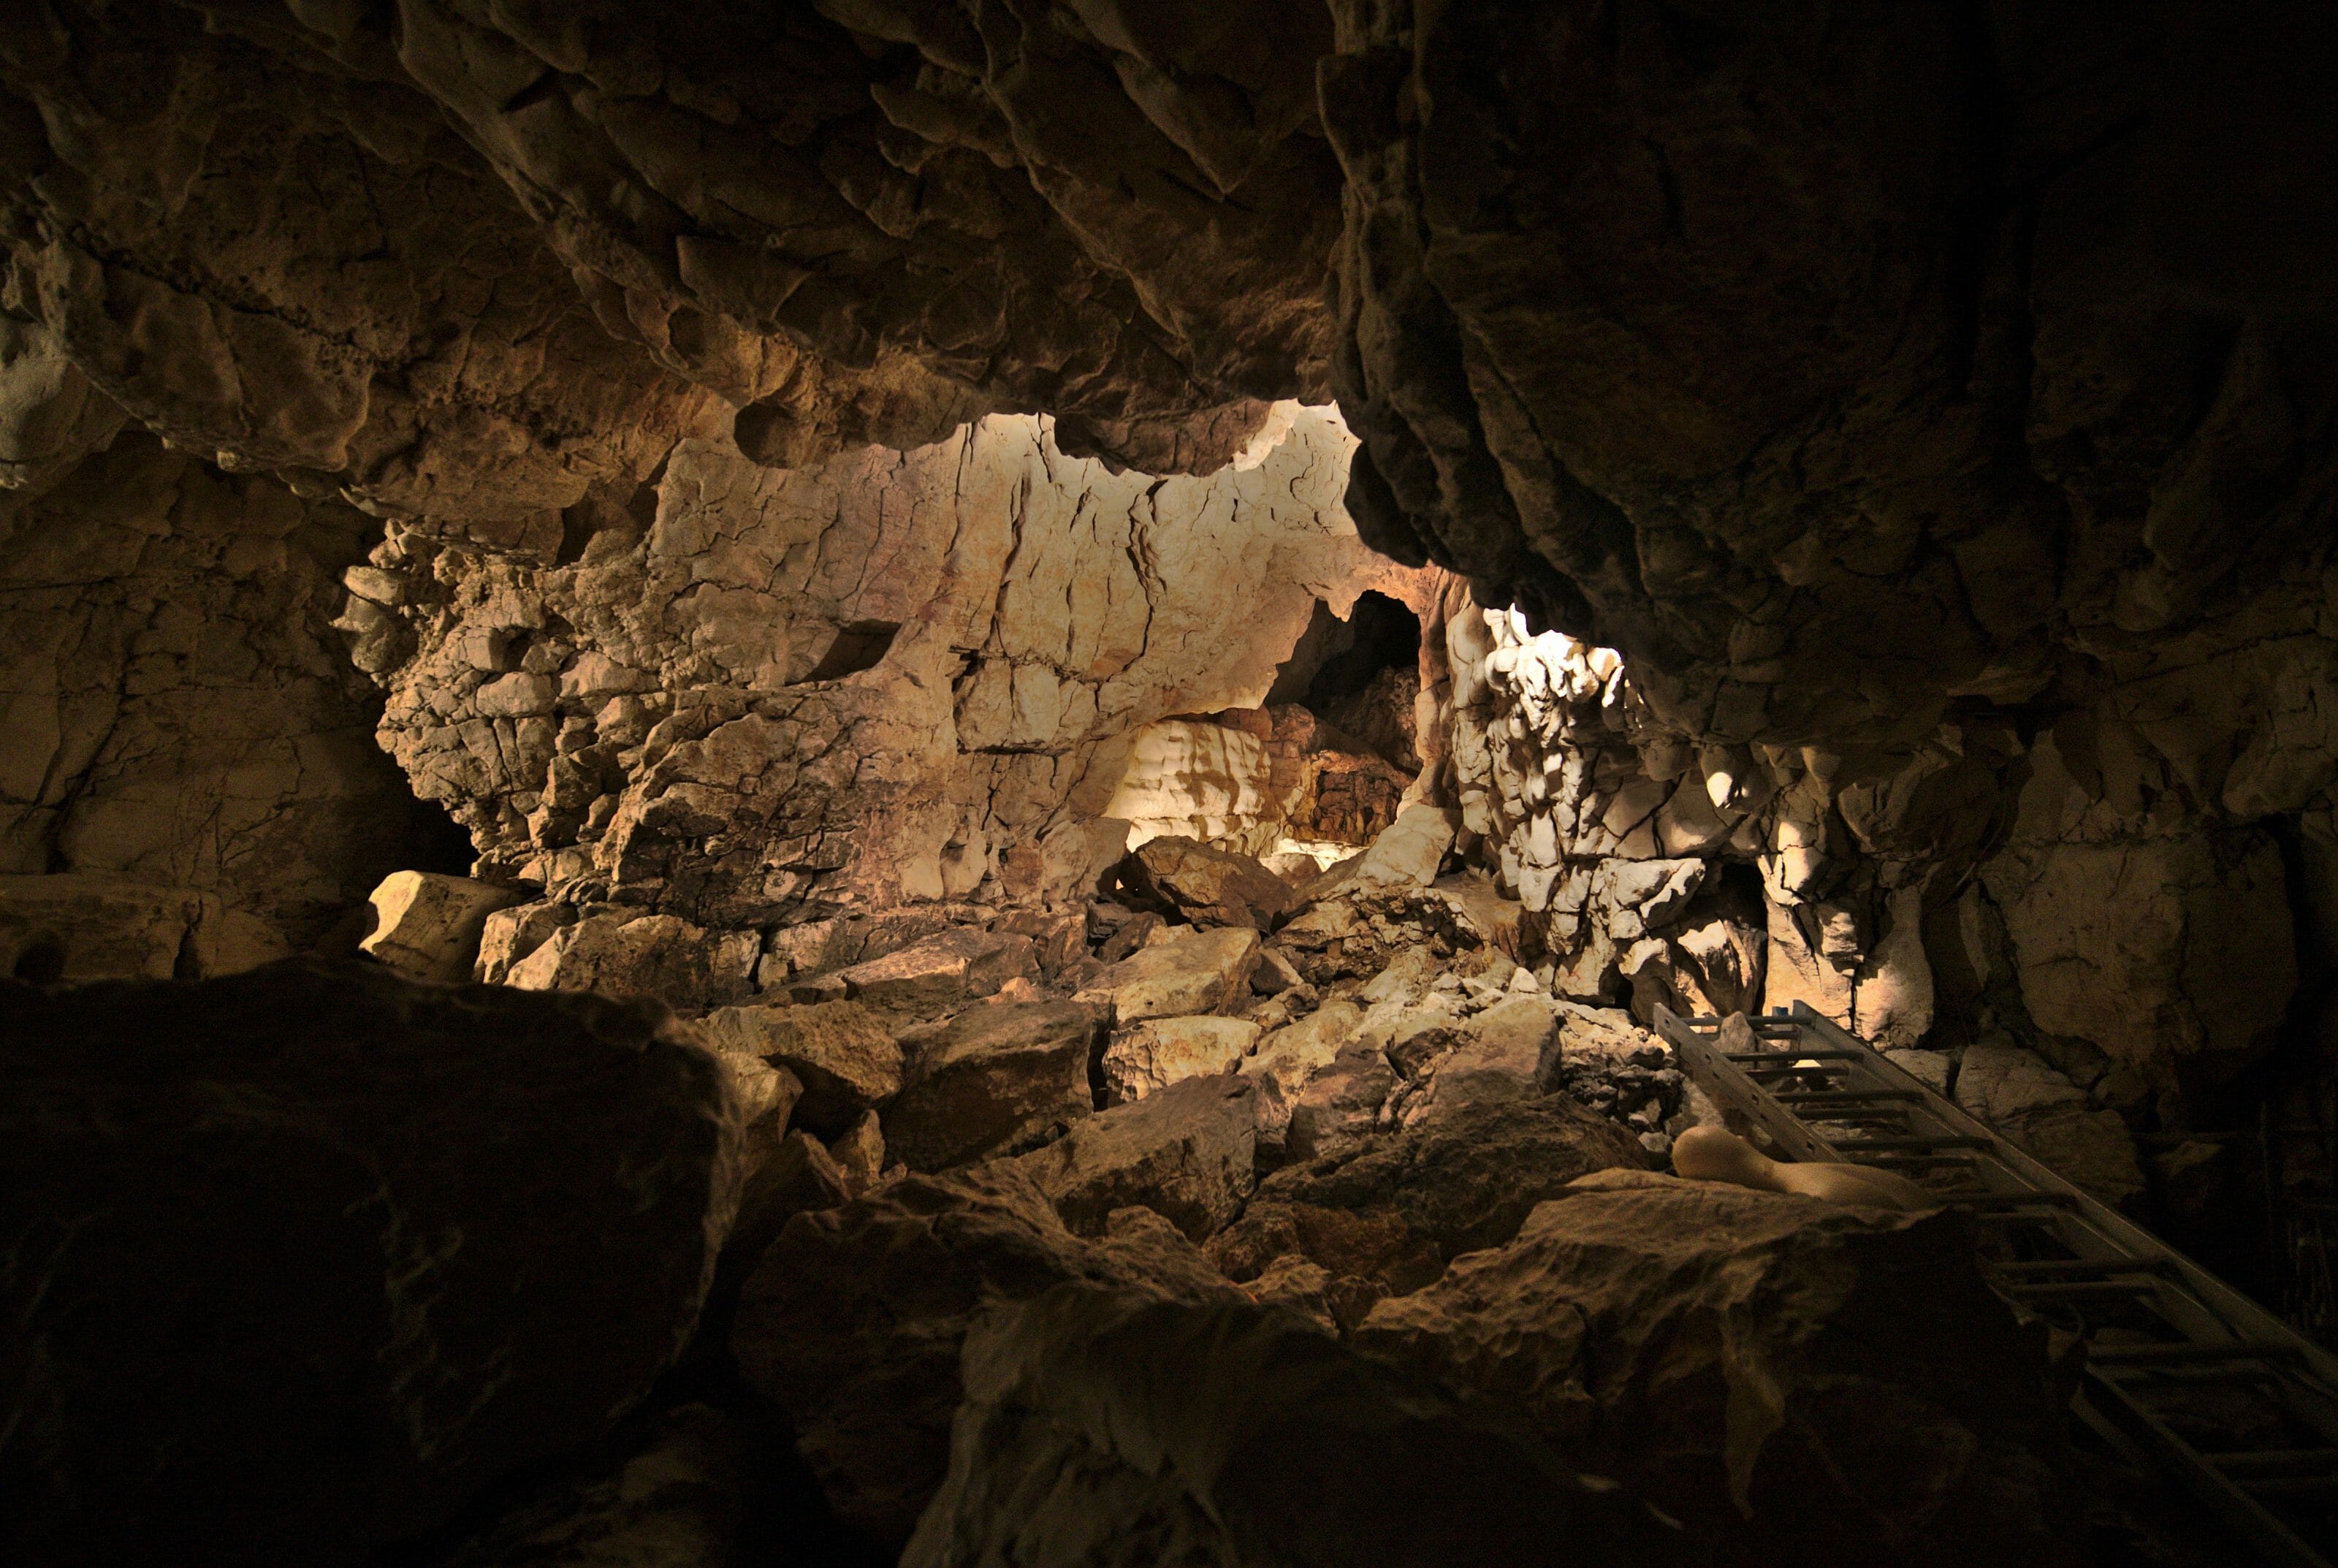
2171 1351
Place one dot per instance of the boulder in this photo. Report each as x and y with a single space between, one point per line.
1115 1429
1795 1380
860 1153
345 1252
1408 853
1156 1052
426 927
1497 1054
2019 1093
1286 1060
1186 1152
639 957
1340 1104
853 1321
993 1080
678 1496
1461 1180
845 1057
1204 884
1182 971
942 972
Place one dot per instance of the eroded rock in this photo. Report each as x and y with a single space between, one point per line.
291 1314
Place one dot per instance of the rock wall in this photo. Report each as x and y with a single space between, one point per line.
749 696
176 710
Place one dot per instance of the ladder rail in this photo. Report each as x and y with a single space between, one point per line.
1909 1125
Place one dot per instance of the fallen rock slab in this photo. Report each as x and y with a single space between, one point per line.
344 1251
845 1057
994 1080
1156 1052
1797 1381
1182 971
941 972
853 1321
1397 1211
1290 1057
1111 1428
1185 1152
1204 884
426 926
1340 1107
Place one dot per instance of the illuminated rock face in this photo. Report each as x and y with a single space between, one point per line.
753 695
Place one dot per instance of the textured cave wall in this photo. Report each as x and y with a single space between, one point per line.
176 710
1932 407
751 696
467 261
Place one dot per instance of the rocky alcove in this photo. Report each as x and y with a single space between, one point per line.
862 782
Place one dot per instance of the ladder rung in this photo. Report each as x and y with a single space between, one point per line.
2079 1267
1999 1202
2188 1354
2263 1460
1917 1143
2280 1485
1848 1097
1783 1058
2077 1290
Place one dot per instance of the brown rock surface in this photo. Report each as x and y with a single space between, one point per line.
309 1303
1113 1428
1145 1056
847 1060
994 1080
1180 971
1832 1379
854 1320
1204 884
1185 1152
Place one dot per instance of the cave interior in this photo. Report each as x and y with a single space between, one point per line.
961 781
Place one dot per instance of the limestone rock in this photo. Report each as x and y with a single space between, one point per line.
1156 1052
1228 1432
1497 1054
426 927
993 1080
2172 955
1186 1152
1409 853
1465 1179
679 1496
1287 1058
73 928
176 708
1340 1104
1204 884
1188 971
853 1322
647 958
284 1165
2018 1092
845 1057
1879 1386
858 1152
942 972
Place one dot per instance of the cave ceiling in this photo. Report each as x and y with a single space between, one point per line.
1847 367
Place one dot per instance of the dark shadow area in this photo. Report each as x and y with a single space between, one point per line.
860 645
1334 658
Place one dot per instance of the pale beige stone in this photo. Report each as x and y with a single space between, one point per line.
1156 1052
426 926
